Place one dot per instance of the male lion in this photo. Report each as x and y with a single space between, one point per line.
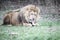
27 15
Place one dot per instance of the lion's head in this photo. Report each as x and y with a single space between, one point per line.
31 13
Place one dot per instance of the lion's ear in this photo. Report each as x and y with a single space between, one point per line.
38 10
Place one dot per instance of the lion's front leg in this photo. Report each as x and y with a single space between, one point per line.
27 24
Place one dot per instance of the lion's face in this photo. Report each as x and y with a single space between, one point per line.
32 17
31 13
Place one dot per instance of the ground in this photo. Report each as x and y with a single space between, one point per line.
29 33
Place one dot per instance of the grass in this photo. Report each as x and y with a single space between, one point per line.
29 33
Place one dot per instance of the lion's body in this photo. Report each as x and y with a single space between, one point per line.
25 15
11 18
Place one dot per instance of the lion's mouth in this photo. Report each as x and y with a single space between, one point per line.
32 23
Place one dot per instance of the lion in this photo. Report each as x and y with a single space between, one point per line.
27 15
31 13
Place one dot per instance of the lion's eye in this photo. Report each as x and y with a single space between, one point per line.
33 14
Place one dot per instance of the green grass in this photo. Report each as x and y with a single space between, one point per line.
29 33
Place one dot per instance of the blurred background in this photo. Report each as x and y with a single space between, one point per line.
50 9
